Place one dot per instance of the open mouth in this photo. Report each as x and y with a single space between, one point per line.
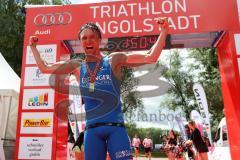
89 47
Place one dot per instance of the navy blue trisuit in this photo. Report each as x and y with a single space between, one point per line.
105 130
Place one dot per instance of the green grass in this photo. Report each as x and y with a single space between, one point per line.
156 154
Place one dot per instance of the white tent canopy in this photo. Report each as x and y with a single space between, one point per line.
9 91
9 80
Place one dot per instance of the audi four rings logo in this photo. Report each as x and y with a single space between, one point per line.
53 19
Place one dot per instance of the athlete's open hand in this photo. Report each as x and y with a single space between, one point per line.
33 40
163 24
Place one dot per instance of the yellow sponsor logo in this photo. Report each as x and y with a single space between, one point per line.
37 122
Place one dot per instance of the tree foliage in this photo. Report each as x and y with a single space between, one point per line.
131 99
154 133
12 20
11 33
180 95
202 67
209 77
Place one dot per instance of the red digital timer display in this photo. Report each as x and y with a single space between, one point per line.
133 43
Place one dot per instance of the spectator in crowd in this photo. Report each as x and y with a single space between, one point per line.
172 142
148 145
207 141
164 144
136 144
198 142
164 139
189 147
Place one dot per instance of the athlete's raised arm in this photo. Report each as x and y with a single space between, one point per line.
63 67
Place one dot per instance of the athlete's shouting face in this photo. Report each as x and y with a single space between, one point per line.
90 41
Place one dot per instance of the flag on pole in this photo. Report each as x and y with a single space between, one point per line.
203 107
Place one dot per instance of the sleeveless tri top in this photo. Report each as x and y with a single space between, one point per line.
103 105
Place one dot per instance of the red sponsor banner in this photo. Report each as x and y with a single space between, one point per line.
133 18
37 122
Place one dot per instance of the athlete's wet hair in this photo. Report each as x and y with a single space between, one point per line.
91 26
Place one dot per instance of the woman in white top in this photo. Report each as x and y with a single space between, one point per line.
136 143
148 144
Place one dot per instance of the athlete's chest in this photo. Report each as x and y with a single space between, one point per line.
103 75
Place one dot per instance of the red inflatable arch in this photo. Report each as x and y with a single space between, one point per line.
125 25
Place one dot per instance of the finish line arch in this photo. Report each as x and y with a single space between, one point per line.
127 25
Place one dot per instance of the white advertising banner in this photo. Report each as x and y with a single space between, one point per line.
2 156
47 52
34 77
37 123
238 65
219 153
75 96
181 127
195 116
76 106
35 148
203 107
38 99
237 43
